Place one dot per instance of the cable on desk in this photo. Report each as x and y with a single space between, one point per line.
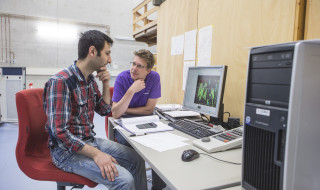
220 159
202 115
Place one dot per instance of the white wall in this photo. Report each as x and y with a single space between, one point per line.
33 52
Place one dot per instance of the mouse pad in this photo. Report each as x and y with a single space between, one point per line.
147 126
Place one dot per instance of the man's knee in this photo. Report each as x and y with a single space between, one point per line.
125 180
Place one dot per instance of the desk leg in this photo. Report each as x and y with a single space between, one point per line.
110 129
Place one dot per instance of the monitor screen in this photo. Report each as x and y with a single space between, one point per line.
204 89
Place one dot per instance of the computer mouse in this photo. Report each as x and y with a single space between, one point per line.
189 155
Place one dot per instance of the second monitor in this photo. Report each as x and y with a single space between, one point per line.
204 91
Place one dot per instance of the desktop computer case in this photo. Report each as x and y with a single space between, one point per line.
282 113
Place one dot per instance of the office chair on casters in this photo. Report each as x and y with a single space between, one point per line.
32 153
110 114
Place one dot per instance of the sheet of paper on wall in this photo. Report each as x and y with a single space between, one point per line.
177 43
186 66
204 46
190 44
161 141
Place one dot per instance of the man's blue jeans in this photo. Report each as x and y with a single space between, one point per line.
157 182
131 168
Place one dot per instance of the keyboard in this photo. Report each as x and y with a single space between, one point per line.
193 128
223 141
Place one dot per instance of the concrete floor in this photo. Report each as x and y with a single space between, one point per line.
12 178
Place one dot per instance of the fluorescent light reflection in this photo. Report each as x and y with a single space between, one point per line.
57 32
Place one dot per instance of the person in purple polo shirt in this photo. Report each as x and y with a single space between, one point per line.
136 92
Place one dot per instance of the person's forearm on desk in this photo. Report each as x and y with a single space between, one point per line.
119 108
139 111
144 110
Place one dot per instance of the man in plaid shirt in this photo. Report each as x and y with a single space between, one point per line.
70 99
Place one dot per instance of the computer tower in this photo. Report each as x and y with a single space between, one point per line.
281 121
12 80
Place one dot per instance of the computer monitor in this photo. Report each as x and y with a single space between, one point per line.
204 91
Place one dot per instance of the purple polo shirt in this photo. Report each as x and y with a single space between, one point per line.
139 99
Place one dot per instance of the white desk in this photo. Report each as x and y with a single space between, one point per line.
201 173
233 188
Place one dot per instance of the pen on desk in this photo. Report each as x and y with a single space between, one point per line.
160 115
139 134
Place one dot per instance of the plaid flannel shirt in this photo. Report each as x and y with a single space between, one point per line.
69 103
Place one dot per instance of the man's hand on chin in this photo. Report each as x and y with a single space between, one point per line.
103 75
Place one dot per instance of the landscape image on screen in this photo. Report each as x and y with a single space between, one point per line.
207 90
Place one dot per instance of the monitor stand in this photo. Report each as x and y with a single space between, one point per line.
218 120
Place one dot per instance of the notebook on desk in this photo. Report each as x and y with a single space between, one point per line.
143 124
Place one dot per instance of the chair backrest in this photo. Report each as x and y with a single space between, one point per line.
111 95
32 152
110 114
32 118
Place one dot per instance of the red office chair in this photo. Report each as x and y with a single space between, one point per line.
32 153
110 114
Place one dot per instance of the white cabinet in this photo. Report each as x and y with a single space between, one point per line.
12 80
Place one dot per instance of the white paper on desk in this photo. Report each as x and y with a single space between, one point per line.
161 141
117 121
169 107
182 113
160 127
140 120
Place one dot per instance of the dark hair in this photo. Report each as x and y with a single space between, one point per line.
92 38
146 55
